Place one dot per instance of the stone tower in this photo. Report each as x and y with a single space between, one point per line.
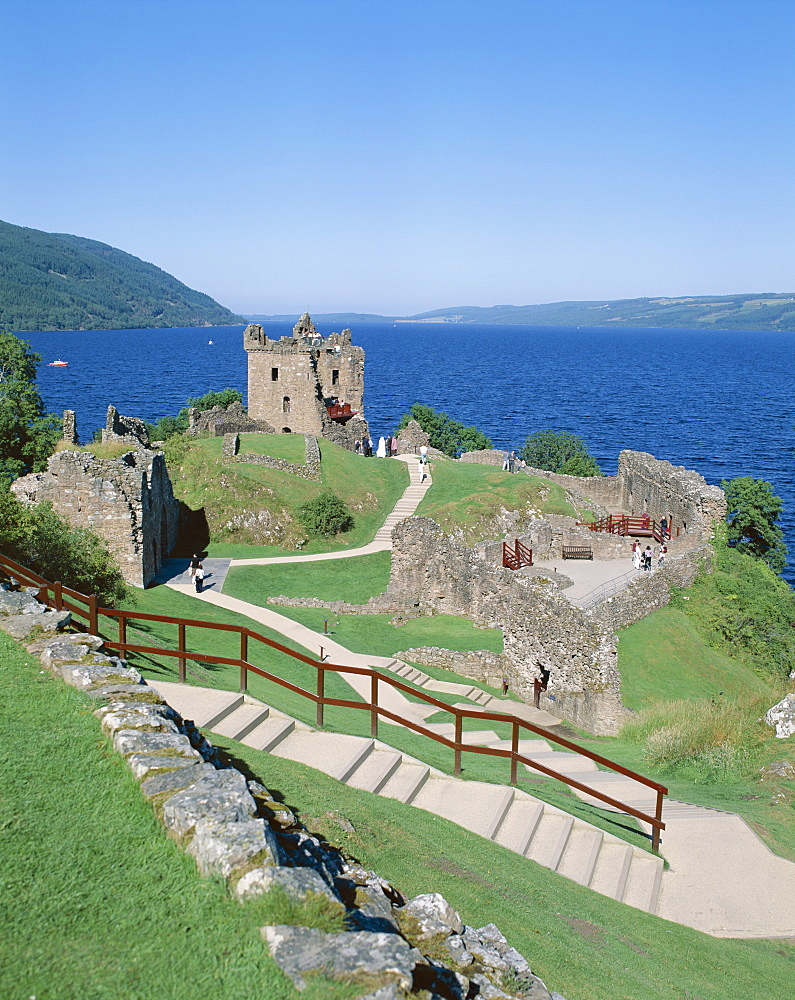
307 383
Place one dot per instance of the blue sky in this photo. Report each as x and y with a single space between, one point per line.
394 157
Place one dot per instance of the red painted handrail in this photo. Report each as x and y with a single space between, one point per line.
622 524
58 596
516 556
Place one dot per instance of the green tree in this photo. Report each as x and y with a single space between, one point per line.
327 514
557 451
447 435
27 433
753 513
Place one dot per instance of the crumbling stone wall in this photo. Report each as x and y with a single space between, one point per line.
219 421
311 471
542 629
128 501
124 430
70 427
659 489
292 381
411 439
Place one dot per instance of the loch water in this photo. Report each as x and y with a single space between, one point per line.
720 402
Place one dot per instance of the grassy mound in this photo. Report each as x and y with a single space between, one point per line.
471 497
252 510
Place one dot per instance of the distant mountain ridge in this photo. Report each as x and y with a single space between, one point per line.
757 311
54 281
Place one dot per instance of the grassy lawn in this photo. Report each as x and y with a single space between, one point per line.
582 944
469 496
354 580
664 657
97 900
232 495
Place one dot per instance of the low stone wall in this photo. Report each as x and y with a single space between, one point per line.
487 456
652 591
230 420
236 829
479 665
602 490
311 471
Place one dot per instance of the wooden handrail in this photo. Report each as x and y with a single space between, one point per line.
24 575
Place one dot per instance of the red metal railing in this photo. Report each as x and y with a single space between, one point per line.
517 555
86 607
341 411
622 524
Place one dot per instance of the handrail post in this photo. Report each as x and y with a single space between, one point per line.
374 703
244 658
57 589
655 830
457 765
514 752
93 621
321 678
122 635
182 664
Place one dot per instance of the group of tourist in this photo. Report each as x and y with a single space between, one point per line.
386 447
512 462
643 558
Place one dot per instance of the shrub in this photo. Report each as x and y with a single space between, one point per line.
557 451
326 515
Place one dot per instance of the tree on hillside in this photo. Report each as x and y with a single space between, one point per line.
752 517
557 451
444 433
27 433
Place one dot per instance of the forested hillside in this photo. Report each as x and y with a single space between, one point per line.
757 311
53 281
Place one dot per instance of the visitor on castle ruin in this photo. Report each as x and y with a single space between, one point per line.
423 455
194 565
636 554
647 557
662 552
381 451
664 527
394 447
198 578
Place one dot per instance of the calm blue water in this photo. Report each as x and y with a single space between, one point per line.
718 402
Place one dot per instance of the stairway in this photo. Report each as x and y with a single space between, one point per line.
506 815
407 504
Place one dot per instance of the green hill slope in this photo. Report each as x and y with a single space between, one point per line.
53 281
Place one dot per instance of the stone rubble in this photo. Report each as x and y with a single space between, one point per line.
235 828
782 717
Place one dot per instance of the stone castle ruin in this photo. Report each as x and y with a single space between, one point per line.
307 383
128 501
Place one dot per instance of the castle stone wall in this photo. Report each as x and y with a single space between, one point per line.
292 381
127 501
124 430
220 421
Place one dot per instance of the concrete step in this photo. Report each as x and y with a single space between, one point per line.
475 805
519 825
566 763
375 770
270 733
549 840
333 753
245 718
406 781
612 869
643 882
206 707
582 850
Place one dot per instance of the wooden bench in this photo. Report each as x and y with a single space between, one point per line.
577 552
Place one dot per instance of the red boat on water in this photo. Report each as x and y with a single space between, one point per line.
58 364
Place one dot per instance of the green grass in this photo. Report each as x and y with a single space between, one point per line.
97 900
664 657
290 447
582 944
353 580
231 495
470 496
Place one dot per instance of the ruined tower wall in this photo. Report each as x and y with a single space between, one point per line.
127 501
290 381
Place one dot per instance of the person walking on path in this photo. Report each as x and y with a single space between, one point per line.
423 454
194 565
504 686
662 551
198 578
647 556
636 554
